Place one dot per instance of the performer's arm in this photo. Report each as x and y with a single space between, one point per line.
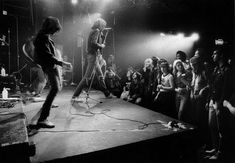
94 39
228 105
42 46
44 50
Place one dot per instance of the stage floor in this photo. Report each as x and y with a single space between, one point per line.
107 124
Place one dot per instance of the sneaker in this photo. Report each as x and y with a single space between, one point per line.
54 106
216 156
76 100
211 152
46 124
32 131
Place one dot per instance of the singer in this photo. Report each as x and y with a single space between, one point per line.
96 42
45 56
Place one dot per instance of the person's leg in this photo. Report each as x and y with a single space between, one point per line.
213 125
54 82
102 84
84 81
182 103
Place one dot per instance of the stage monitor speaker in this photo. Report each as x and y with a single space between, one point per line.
14 144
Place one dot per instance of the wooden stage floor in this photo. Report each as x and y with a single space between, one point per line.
108 125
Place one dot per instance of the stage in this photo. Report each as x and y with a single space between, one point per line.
110 130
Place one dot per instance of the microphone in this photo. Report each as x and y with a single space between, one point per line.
108 28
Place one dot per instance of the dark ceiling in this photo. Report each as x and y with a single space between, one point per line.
215 16
212 18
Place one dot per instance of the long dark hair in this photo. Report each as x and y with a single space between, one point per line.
50 25
99 23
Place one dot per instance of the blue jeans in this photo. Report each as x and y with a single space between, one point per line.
92 67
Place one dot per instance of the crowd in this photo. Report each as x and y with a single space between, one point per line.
193 90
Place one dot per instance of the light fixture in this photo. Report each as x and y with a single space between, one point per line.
74 2
195 36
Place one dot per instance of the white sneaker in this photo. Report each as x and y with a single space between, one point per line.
76 100
46 124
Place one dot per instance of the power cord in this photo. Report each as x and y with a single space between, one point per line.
103 112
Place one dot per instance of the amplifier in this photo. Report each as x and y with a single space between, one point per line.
14 143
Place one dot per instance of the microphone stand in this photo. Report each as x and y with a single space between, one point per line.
72 82
82 55
9 50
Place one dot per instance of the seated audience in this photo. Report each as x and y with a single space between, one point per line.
136 89
112 82
126 85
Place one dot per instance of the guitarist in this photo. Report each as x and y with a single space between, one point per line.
96 42
45 56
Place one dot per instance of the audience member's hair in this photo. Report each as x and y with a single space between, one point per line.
174 65
181 55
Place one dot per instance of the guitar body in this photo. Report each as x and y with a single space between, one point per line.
28 51
59 68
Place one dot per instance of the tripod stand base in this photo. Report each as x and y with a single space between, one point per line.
96 100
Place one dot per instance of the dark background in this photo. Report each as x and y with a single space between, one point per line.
131 20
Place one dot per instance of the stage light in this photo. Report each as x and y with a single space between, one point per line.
74 2
195 36
97 15
180 35
162 34
219 42
107 1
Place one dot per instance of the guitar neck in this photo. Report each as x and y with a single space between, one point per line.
105 36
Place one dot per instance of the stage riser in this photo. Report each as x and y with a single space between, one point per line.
173 148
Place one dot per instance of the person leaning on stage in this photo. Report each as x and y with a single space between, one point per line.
95 44
45 57
38 78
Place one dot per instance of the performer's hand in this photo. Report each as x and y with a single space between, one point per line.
159 86
67 65
226 103
102 45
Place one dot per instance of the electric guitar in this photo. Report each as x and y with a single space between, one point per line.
29 58
99 54
100 51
